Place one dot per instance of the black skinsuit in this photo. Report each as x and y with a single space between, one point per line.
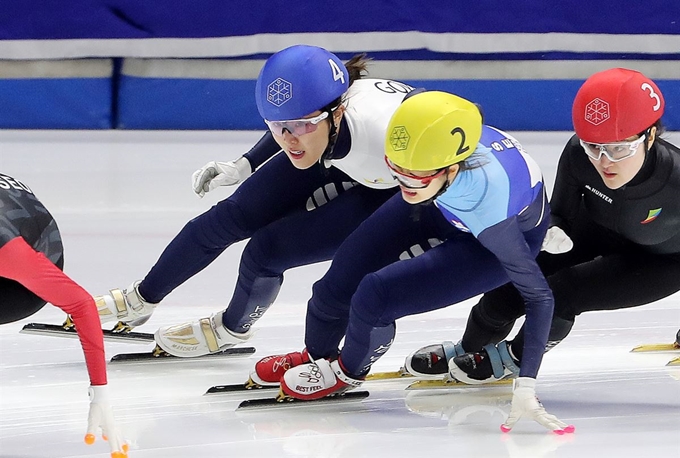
23 215
626 246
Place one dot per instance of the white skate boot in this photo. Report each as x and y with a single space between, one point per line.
126 305
198 338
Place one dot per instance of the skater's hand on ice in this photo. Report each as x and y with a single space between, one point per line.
215 174
101 416
526 404
556 241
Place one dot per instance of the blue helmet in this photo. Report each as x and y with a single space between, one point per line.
297 81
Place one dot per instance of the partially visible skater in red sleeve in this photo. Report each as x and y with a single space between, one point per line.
31 262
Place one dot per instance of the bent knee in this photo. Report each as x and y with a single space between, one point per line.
372 303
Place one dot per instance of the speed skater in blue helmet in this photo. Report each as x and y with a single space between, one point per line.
299 95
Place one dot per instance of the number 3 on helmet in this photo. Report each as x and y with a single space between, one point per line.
616 104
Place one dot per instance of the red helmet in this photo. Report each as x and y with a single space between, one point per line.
616 104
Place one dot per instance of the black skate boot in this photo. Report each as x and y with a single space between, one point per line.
432 362
491 364
677 339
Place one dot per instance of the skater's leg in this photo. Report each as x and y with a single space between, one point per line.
609 282
274 191
300 239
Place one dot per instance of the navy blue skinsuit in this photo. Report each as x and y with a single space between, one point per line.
483 231
293 217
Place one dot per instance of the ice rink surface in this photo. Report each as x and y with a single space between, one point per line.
119 197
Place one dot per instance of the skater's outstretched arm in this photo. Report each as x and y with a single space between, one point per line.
21 263
215 174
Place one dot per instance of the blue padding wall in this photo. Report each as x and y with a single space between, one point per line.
154 103
204 95
78 103
57 94
538 104
230 104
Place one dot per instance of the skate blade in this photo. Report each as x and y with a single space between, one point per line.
250 385
253 385
656 347
286 401
121 328
56 330
68 323
283 397
401 373
158 352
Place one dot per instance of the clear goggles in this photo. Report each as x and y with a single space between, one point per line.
411 181
615 152
296 127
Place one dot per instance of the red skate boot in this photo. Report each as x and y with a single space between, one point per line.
268 371
317 379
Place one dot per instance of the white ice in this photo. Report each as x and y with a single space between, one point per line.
119 197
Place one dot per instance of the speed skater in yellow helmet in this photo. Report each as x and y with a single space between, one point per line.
433 130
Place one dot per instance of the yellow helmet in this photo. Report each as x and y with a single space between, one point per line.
433 130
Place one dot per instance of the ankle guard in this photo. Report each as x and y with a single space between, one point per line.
339 372
500 359
452 350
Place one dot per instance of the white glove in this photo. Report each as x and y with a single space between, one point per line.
525 403
556 241
101 416
215 174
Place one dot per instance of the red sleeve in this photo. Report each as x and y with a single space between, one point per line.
21 263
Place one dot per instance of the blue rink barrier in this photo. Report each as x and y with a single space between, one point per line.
56 94
230 104
220 93
180 104
539 105
214 94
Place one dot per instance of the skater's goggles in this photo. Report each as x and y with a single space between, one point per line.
296 127
409 180
615 152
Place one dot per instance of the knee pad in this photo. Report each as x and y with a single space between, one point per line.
257 257
329 301
371 306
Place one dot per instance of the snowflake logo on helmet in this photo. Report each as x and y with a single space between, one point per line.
279 92
399 138
597 112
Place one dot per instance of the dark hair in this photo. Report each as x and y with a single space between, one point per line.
357 69
660 128
475 161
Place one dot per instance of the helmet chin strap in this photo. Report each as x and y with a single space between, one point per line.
327 154
441 191
417 208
